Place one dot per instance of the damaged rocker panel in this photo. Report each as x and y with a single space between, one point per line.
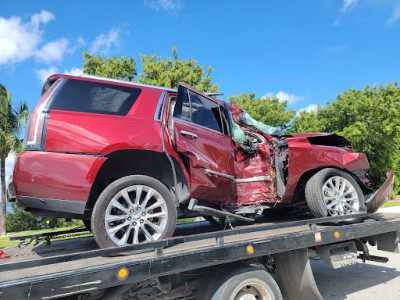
241 180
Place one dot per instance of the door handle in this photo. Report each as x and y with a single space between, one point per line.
189 135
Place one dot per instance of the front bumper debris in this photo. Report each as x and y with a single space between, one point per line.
375 200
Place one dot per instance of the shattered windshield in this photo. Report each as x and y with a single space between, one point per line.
247 119
240 116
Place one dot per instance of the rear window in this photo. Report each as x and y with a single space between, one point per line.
95 97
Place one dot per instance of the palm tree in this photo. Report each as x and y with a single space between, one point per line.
11 120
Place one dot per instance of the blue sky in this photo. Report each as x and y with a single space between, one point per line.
304 51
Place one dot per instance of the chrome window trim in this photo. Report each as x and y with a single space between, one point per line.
253 179
127 82
158 109
211 172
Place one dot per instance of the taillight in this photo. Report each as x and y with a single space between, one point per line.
35 131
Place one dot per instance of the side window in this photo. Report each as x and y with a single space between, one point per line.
205 112
182 106
95 97
193 107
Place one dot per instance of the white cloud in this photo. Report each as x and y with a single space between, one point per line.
347 5
43 17
104 42
73 71
52 51
21 40
80 41
310 108
43 74
395 16
167 5
282 96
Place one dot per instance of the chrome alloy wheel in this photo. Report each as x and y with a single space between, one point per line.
252 291
136 214
340 196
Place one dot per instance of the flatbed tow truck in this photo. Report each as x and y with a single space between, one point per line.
199 262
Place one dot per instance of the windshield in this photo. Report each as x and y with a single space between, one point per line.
240 116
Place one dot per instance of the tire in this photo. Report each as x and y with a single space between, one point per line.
239 282
137 208
332 192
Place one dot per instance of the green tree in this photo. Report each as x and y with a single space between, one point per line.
170 72
306 122
270 111
21 220
369 119
112 67
11 120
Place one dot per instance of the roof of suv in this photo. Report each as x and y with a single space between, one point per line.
111 80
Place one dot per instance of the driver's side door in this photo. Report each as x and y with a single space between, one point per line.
202 139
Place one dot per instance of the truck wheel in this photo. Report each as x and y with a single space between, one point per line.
240 283
132 210
331 192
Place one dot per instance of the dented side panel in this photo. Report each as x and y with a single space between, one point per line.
255 178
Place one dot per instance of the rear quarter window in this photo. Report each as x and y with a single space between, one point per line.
95 97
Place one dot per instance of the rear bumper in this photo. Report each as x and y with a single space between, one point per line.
375 200
52 207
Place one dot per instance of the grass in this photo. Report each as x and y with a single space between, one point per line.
5 241
184 221
390 204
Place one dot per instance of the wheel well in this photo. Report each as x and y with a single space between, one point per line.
137 162
298 194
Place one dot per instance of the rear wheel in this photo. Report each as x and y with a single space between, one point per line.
132 210
332 192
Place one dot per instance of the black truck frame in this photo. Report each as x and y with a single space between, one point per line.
201 264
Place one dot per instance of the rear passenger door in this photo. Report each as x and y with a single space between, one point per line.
202 138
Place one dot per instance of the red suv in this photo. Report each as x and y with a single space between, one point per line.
129 159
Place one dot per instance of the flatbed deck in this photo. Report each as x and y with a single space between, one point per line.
75 271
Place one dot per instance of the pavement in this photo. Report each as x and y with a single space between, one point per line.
362 281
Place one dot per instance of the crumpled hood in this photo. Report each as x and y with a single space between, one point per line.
319 138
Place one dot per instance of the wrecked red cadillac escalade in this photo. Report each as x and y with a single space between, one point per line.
129 159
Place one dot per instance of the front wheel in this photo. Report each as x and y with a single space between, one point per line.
332 192
132 210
